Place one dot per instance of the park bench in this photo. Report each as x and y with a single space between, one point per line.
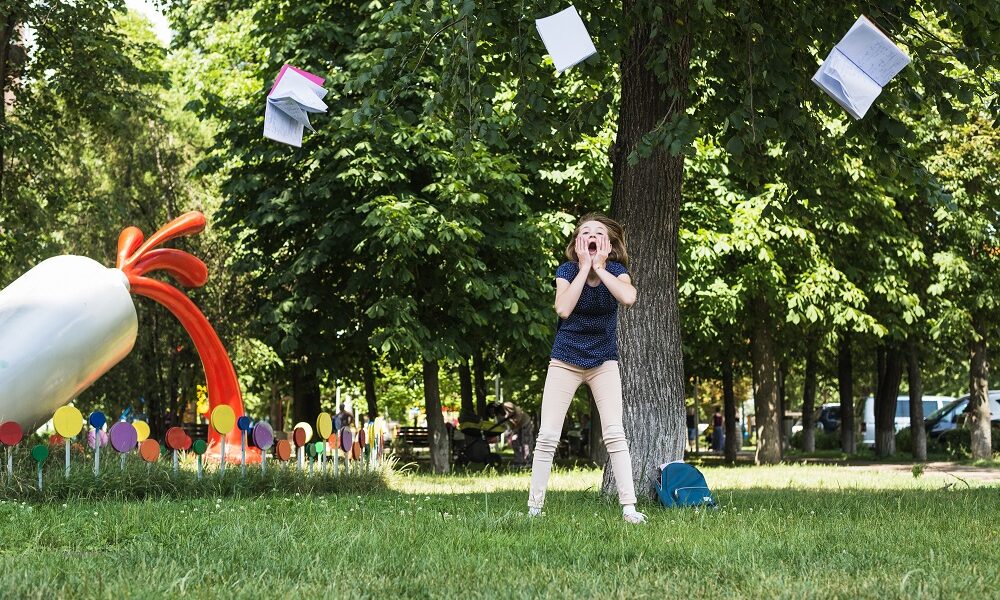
413 437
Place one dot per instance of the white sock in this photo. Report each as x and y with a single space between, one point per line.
534 512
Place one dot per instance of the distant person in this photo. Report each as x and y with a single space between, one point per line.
521 436
692 429
343 419
718 434
589 288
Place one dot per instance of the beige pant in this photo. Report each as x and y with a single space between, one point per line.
561 383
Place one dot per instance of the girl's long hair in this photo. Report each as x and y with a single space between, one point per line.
619 251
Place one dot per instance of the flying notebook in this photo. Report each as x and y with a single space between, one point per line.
565 38
859 67
294 95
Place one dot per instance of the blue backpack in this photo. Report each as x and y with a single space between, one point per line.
683 485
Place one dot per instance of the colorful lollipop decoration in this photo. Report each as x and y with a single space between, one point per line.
199 447
334 442
223 420
97 420
324 429
39 453
262 437
149 450
68 422
283 451
346 443
10 436
300 435
124 438
177 439
244 423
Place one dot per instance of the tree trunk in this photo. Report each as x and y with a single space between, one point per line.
979 404
782 370
305 393
918 434
809 399
371 398
733 439
595 441
6 40
276 413
845 388
646 199
765 388
885 402
479 380
440 459
465 384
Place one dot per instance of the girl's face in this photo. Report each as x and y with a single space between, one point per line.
592 232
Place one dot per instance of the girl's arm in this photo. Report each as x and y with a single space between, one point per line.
620 287
568 294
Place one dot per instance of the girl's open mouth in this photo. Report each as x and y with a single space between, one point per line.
592 246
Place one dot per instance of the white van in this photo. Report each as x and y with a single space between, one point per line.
931 404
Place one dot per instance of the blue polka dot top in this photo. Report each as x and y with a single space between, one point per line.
590 335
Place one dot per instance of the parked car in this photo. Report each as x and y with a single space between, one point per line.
948 417
825 418
931 405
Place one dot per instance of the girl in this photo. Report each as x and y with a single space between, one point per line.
588 290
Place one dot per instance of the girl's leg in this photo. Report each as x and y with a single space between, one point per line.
605 382
561 383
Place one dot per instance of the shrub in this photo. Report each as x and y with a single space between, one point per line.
958 442
824 440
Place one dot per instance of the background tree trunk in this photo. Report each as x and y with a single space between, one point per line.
371 398
733 438
276 414
918 434
305 393
845 389
6 41
646 199
979 404
809 399
465 385
885 401
765 388
480 384
782 397
440 451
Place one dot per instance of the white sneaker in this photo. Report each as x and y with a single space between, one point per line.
633 516
534 512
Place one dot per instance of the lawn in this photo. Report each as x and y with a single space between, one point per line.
787 531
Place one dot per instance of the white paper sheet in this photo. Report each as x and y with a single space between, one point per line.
295 94
566 38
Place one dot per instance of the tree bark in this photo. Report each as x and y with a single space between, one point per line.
765 388
885 402
305 393
6 40
276 413
646 199
918 434
733 438
979 404
440 452
782 370
845 388
809 399
479 380
465 384
371 397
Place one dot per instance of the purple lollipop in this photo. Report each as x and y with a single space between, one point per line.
262 436
123 437
346 439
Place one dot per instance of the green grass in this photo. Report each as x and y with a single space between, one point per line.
789 531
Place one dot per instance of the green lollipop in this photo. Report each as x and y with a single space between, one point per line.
199 447
40 453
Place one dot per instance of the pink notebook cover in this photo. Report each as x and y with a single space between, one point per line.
313 78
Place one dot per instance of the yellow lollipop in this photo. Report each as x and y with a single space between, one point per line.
324 425
68 421
223 419
141 431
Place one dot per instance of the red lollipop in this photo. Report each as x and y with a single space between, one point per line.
11 433
175 438
299 437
